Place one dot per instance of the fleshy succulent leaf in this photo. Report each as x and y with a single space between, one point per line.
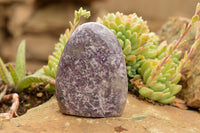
20 61
145 91
5 74
13 74
32 79
50 88
39 72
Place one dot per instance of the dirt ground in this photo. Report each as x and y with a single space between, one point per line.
29 98
138 117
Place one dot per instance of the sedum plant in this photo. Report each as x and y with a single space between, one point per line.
136 40
50 70
154 69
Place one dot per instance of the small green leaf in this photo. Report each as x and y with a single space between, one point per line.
197 8
147 74
130 57
20 61
47 70
176 78
176 89
5 75
32 79
166 94
120 28
54 72
146 66
137 51
111 17
40 72
127 49
128 34
27 105
113 25
167 100
121 42
53 59
13 74
145 91
50 88
118 19
195 18
183 29
136 28
156 95
158 87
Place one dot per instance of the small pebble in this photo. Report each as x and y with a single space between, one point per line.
40 94
67 124
90 121
79 120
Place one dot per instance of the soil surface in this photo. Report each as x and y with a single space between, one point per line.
138 117
28 99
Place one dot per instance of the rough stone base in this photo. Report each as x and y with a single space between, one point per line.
138 117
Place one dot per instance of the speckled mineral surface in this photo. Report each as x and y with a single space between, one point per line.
91 79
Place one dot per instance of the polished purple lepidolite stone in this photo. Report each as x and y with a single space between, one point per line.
91 78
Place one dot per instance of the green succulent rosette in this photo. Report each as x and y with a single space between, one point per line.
153 67
134 37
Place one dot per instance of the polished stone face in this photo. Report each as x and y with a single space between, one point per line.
91 78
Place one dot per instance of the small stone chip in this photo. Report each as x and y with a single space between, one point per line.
40 94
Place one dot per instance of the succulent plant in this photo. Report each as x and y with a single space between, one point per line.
53 60
154 69
16 77
10 76
134 37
